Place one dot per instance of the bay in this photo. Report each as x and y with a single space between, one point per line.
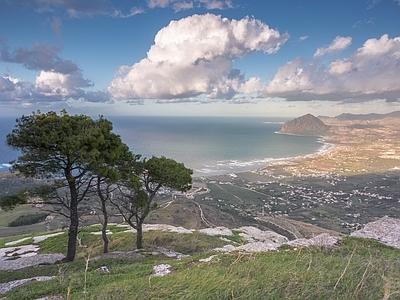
208 145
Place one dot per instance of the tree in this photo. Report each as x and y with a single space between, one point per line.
108 173
70 150
137 191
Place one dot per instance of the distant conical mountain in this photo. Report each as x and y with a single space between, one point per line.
305 125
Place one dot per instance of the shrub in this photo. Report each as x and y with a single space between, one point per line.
28 220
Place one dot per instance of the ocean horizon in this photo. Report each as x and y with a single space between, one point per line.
208 145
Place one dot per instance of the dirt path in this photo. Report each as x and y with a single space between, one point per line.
203 218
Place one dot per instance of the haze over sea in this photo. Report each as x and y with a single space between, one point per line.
208 145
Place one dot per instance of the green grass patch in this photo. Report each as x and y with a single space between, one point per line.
358 269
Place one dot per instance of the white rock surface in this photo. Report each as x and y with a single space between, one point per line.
208 259
226 248
161 270
161 227
322 240
108 232
5 287
16 242
103 269
254 234
38 239
263 246
169 253
385 230
27 261
217 231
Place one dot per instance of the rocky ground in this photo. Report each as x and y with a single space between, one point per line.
385 230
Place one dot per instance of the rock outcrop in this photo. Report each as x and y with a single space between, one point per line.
385 230
305 125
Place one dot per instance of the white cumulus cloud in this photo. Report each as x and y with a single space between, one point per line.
194 56
339 43
371 72
52 84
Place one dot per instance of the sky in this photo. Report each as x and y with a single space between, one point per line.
200 57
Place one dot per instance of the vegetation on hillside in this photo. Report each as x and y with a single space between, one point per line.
357 269
28 220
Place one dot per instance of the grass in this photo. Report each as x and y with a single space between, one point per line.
357 269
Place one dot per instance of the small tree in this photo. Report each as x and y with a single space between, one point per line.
114 166
138 190
70 150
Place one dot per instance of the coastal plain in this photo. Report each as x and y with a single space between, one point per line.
341 190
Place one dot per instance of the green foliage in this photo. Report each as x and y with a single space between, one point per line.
139 186
72 151
168 173
9 202
28 220
51 144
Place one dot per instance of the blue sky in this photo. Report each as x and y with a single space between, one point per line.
200 57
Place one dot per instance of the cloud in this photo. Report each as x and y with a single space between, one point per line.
56 25
135 102
134 11
242 100
58 85
74 8
58 79
372 3
303 38
49 87
177 100
371 72
179 5
41 57
81 9
6 85
194 56
339 43
15 90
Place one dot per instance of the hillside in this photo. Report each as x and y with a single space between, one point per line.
305 125
325 197
188 265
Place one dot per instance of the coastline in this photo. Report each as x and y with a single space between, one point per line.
322 150
353 150
235 166
327 149
346 149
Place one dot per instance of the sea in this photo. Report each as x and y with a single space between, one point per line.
207 145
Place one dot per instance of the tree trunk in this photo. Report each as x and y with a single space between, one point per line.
72 236
105 217
139 236
104 227
74 223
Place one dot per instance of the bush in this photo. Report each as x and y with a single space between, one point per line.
28 220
